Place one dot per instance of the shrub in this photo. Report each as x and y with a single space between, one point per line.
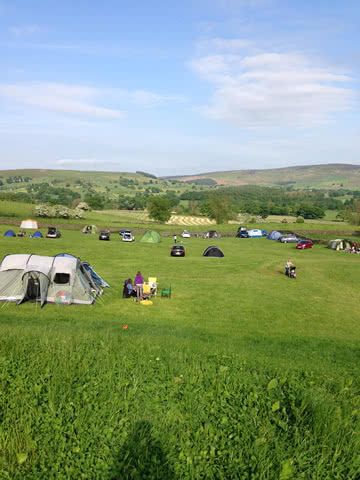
57 211
300 219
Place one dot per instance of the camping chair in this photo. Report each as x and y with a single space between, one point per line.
166 292
153 285
146 290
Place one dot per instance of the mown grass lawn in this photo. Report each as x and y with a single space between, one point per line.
243 373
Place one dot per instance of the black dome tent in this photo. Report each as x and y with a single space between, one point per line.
213 251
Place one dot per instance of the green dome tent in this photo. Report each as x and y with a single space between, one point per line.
151 237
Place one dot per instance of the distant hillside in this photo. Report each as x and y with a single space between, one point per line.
110 184
330 176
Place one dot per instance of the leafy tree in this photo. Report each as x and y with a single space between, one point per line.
354 213
159 208
218 208
95 201
310 211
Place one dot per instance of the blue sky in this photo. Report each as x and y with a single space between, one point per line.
179 87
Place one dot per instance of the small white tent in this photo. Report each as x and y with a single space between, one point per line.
29 224
61 280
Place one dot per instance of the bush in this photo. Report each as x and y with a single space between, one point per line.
57 211
284 220
300 219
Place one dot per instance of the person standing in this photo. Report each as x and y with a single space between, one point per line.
175 238
139 282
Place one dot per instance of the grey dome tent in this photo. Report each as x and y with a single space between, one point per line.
151 237
61 280
213 251
274 235
9 233
37 234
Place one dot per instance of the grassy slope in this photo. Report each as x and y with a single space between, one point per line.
187 391
316 176
102 182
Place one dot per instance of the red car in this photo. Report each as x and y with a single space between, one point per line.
304 244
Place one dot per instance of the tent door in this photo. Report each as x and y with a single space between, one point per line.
33 289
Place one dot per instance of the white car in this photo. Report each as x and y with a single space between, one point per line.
186 234
128 237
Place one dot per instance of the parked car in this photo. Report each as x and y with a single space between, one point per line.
289 238
186 234
104 235
304 244
177 251
53 232
128 237
123 231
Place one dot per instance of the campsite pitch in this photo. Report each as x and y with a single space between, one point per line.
242 373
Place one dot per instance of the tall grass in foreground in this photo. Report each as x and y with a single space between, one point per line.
243 374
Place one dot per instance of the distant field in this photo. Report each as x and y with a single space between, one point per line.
243 373
331 176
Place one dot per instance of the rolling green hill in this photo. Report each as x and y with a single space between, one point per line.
107 183
333 176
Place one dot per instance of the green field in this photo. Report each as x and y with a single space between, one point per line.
243 373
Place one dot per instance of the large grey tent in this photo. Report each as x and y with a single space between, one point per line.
57 279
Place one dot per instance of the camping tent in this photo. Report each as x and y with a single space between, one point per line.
29 224
274 235
340 244
151 237
100 282
212 234
56 279
37 234
213 251
89 229
95 276
255 233
9 233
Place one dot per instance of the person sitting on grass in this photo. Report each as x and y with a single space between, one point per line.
128 289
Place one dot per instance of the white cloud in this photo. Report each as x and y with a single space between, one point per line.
25 30
224 44
272 89
145 98
77 161
58 97
81 99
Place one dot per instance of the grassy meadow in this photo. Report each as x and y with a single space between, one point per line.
242 374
